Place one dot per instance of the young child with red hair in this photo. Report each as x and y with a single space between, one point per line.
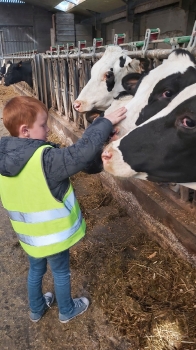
36 191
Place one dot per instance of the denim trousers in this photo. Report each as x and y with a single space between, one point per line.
59 264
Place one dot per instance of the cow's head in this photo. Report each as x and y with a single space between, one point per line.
13 73
158 88
106 80
163 148
2 72
7 65
17 72
3 69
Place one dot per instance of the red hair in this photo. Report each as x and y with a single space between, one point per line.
21 110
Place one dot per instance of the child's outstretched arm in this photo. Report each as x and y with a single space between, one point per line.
60 164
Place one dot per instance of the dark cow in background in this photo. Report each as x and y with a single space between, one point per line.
161 145
17 72
2 72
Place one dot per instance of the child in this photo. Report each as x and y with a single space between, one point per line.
37 193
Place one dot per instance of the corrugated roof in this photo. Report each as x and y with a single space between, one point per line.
84 5
13 1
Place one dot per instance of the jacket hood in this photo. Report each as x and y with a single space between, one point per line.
15 153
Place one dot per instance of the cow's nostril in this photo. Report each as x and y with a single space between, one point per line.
77 105
106 155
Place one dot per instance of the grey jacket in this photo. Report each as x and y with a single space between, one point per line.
58 163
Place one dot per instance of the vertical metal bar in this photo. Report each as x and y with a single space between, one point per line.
44 85
56 82
39 77
34 77
73 84
64 86
75 87
50 78
70 114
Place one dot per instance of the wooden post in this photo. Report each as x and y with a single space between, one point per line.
184 193
53 32
112 35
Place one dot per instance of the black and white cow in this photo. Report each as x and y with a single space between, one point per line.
17 72
156 89
161 149
2 72
106 79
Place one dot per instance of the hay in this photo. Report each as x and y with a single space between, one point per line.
166 335
6 93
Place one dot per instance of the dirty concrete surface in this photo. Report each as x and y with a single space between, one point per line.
116 267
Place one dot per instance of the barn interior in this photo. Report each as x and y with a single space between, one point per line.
154 279
35 25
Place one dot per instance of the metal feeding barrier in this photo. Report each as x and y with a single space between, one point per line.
60 73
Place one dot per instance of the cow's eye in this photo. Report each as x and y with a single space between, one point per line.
167 93
108 75
188 123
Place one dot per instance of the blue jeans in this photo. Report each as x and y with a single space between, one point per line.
59 264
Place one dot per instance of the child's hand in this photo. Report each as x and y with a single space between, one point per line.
116 116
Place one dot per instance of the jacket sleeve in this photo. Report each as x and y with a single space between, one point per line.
95 166
61 163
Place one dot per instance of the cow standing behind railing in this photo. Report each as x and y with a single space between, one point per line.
159 132
2 73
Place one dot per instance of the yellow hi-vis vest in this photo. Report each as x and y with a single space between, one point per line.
43 224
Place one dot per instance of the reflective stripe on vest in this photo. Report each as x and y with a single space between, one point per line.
45 215
52 238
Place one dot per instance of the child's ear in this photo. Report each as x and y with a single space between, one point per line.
23 131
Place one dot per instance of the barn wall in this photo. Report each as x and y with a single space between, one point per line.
119 27
25 27
172 21
65 28
84 32
68 30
